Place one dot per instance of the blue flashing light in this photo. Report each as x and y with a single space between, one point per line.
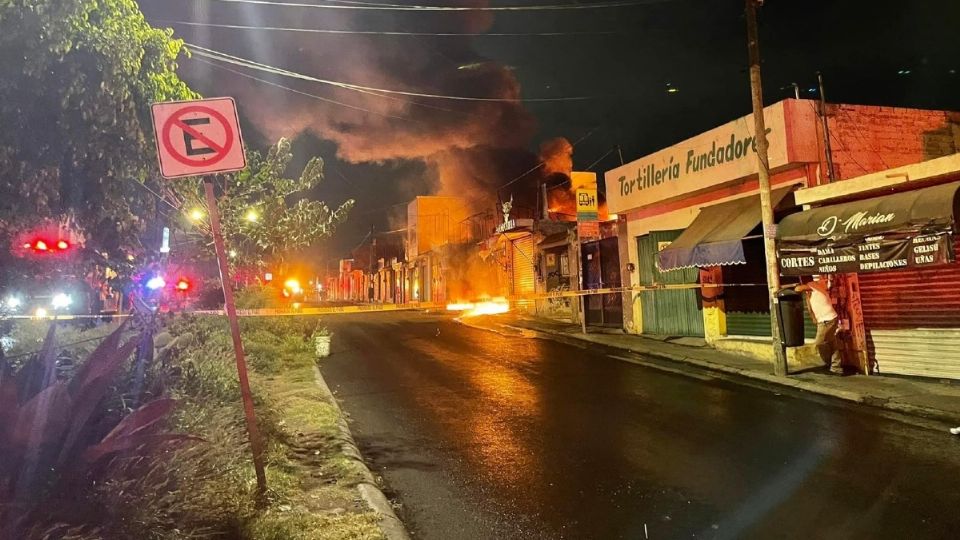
156 282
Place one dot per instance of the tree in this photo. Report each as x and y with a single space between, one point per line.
267 218
78 79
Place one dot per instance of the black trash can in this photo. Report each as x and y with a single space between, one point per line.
791 317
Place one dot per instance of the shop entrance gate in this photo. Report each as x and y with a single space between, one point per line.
675 312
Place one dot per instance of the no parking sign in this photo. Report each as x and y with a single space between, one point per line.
198 137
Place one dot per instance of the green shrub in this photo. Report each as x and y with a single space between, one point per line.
256 297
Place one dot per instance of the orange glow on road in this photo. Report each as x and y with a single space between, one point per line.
486 307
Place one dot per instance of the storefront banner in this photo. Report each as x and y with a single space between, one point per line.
725 154
867 254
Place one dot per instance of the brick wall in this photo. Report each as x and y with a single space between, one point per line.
868 139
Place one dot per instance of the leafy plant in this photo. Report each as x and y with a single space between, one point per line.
78 79
266 216
55 431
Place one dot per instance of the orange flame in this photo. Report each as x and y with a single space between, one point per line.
486 307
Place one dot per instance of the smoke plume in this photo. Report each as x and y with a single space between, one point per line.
470 145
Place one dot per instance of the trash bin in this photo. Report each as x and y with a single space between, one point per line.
323 346
791 317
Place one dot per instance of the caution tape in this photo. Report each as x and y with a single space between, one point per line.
386 307
639 288
328 310
64 317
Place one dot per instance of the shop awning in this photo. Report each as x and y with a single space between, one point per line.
907 211
908 229
555 239
715 236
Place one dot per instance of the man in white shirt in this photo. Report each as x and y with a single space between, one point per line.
820 305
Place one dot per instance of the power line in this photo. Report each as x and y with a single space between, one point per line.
383 32
542 163
599 159
344 4
300 92
236 60
342 104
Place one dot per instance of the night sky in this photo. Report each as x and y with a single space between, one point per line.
384 149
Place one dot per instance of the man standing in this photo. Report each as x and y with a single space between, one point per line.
820 305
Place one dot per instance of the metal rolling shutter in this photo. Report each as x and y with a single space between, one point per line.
912 318
523 275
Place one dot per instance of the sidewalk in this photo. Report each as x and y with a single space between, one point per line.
932 399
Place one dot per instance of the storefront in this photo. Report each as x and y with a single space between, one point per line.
600 264
693 215
892 257
556 253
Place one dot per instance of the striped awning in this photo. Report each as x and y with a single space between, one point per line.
715 236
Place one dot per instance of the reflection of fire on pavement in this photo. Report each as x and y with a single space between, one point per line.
485 307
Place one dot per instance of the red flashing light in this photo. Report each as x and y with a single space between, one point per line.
41 245
183 285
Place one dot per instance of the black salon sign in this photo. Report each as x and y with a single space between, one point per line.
871 254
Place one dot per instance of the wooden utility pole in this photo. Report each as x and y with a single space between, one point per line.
769 227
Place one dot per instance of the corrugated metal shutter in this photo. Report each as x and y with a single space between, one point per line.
668 312
912 318
523 274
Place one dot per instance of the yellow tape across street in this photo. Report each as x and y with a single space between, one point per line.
382 307
291 311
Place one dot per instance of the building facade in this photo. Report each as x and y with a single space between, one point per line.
690 213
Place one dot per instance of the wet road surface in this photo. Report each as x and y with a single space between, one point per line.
480 435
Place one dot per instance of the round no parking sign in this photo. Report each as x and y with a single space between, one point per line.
198 137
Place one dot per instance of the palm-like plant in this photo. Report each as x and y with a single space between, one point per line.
55 430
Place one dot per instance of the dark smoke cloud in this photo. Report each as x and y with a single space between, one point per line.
470 146
557 156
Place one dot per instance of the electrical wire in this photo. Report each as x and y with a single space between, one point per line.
243 62
599 159
300 92
542 163
343 4
383 32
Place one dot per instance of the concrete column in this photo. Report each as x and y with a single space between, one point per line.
714 312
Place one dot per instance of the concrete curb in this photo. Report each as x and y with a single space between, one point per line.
807 386
390 524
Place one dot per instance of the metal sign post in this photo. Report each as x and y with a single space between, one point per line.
200 138
256 443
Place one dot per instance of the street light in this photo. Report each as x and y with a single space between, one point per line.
233 253
196 214
252 216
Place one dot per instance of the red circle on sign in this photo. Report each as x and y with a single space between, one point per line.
220 151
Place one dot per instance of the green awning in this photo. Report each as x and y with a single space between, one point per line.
715 236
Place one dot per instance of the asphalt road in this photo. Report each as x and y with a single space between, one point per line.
480 435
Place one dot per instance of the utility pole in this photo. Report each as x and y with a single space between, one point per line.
769 228
826 129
